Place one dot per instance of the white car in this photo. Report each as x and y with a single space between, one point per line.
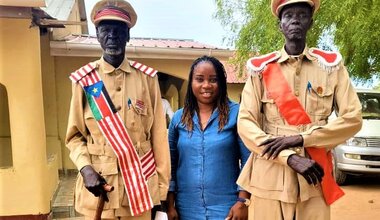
361 154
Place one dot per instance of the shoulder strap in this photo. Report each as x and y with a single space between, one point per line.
82 72
256 65
143 68
328 60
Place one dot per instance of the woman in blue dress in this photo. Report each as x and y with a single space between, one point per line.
206 151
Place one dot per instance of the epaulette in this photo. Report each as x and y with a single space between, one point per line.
82 72
256 65
145 69
327 60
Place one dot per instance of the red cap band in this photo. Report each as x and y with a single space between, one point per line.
113 12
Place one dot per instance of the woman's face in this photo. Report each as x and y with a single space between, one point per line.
204 83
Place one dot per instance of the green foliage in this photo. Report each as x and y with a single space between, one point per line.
353 26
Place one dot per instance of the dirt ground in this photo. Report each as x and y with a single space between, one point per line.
361 201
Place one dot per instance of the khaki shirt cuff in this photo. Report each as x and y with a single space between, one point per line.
163 194
80 163
308 140
284 155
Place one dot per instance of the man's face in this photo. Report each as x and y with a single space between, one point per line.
112 36
295 21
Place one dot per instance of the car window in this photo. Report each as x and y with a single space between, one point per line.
370 104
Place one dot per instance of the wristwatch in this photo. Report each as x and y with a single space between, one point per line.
246 202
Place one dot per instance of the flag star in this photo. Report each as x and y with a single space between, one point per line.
95 90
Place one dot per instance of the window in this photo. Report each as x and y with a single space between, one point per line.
370 104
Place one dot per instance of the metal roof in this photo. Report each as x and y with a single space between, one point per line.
59 9
155 48
146 42
23 3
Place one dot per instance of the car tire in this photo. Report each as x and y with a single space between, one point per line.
340 176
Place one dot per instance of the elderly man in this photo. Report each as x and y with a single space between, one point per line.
116 133
283 120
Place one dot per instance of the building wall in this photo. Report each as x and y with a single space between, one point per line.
63 68
53 144
26 188
234 91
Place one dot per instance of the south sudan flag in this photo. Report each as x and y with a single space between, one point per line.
99 100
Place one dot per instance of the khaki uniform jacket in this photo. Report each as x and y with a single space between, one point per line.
259 119
145 126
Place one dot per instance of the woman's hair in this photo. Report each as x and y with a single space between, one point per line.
191 104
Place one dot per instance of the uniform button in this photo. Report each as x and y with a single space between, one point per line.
296 93
118 108
298 150
118 89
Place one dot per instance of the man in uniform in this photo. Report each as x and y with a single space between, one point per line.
283 120
116 133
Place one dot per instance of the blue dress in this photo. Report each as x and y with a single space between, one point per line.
205 166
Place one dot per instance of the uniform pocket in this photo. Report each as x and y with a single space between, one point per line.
86 200
320 101
143 147
134 116
95 149
270 109
90 122
267 175
95 135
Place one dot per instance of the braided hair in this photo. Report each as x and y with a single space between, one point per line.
191 104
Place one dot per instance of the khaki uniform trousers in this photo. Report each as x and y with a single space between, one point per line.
144 216
314 208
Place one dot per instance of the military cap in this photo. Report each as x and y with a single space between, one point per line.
277 5
119 10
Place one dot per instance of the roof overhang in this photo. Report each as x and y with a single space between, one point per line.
148 48
23 3
64 48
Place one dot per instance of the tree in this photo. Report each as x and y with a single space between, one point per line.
352 25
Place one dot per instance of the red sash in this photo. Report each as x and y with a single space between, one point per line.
294 114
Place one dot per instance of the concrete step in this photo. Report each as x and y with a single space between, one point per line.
63 201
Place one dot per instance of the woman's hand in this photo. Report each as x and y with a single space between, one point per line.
239 211
172 214
171 210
